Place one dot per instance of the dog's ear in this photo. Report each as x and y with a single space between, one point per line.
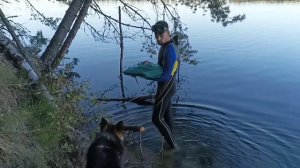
119 125
103 125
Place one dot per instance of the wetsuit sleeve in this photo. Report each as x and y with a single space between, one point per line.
170 59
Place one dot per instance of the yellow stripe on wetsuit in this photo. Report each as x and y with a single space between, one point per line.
175 67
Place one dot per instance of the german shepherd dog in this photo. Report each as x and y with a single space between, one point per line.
107 148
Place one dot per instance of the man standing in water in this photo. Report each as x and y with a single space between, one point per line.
168 59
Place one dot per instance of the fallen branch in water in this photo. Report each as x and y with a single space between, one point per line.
141 100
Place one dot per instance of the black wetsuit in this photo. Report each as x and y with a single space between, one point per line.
168 59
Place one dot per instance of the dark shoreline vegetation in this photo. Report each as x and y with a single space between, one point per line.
33 131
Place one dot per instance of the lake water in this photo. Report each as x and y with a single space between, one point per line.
238 107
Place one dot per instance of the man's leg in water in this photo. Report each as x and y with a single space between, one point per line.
169 116
159 111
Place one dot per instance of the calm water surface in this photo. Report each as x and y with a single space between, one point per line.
239 107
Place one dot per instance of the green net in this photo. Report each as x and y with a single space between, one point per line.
146 70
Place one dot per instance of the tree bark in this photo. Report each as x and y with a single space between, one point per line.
61 33
61 53
24 64
14 36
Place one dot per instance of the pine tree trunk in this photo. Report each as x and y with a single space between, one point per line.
61 33
72 34
25 62
14 36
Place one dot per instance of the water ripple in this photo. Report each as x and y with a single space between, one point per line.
212 137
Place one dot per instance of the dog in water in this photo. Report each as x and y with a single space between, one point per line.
107 148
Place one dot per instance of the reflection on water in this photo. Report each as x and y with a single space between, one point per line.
211 137
242 94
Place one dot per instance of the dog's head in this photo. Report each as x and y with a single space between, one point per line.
117 129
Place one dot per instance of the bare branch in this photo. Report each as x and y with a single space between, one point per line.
95 33
135 11
48 21
166 7
115 20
